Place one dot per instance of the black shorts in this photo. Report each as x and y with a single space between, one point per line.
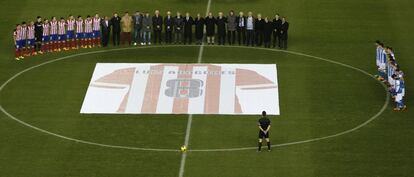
263 135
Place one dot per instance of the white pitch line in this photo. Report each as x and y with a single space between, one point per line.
190 117
193 150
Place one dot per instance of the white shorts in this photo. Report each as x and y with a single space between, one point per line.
398 97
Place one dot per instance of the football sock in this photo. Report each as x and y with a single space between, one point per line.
268 145
259 146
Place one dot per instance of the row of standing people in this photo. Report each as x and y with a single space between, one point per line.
62 34
245 30
391 74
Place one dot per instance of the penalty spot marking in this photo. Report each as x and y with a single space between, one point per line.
385 105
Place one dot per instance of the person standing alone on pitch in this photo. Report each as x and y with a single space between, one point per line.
264 127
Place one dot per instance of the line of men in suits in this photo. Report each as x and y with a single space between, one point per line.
391 74
181 29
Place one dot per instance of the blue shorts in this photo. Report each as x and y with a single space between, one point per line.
45 39
22 43
71 35
54 37
96 34
31 42
62 37
88 35
19 44
80 35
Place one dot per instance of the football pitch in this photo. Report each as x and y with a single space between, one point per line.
335 119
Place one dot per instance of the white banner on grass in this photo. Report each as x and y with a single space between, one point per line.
133 88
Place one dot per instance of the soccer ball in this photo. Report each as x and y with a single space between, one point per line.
183 148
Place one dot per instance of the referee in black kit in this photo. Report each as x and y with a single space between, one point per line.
264 127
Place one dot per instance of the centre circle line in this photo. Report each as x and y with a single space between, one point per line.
385 105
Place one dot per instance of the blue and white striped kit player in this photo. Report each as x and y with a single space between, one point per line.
381 62
390 72
400 93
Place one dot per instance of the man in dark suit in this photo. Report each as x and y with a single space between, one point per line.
284 34
106 29
199 29
178 28
277 22
169 26
210 23
116 29
221 28
267 32
241 28
157 26
188 28
259 25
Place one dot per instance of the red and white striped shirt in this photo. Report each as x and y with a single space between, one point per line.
23 32
88 26
62 29
30 32
18 34
96 24
53 27
79 26
71 25
46 29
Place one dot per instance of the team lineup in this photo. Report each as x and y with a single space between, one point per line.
54 35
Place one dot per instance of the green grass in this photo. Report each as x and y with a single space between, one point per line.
317 98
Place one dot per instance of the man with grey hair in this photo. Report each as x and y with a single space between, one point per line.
250 21
178 28
157 25
231 28
169 27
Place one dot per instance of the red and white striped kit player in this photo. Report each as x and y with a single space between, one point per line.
54 34
79 33
71 33
62 28
18 38
30 32
96 24
46 30
71 25
88 26
62 34
30 40
46 36
53 28
88 32
24 34
96 30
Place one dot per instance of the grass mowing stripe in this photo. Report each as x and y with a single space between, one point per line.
190 117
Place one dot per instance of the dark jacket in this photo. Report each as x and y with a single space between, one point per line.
116 24
178 24
38 30
169 23
239 25
105 28
284 30
276 25
259 25
210 25
199 27
188 25
157 23
137 20
221 25
267 31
